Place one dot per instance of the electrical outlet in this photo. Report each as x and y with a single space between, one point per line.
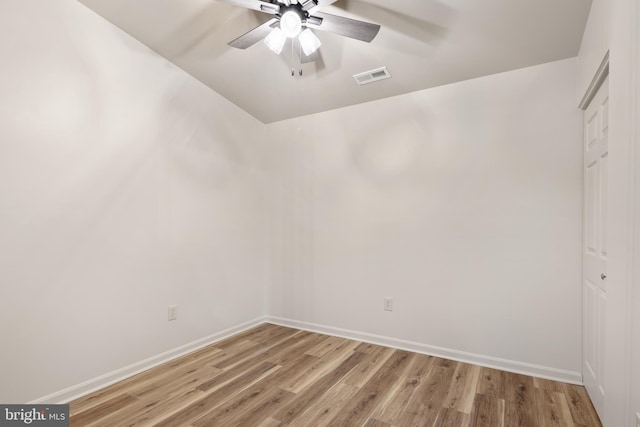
388 304
173 312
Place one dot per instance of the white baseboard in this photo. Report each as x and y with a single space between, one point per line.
461 356
79 390
105 380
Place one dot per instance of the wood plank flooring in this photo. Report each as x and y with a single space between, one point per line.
273 376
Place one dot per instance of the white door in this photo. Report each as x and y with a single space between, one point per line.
596 150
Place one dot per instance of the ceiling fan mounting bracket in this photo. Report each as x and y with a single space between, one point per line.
295 8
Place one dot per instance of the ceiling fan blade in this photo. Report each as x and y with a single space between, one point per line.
260 6
251 37
320 5
414 25
359 30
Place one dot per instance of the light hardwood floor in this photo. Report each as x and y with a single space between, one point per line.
275 376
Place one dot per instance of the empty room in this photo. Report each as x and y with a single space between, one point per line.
320 213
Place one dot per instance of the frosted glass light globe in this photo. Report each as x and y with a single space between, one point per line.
291 24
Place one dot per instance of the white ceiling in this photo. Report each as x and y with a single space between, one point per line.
424 43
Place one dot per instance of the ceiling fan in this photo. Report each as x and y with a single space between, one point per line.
294 19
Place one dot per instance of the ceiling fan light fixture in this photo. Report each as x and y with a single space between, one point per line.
276 40
291 24
309 42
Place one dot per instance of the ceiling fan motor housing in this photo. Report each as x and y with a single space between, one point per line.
292 18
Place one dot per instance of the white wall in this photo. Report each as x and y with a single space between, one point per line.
633 46
614 26
462 203
126 186
635 306
622 356
595 44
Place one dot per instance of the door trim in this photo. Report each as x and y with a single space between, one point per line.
624 223
596 82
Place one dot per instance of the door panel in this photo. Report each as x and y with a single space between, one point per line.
596 170
590 323
604 174
591 208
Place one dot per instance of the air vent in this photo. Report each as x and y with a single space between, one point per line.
372 76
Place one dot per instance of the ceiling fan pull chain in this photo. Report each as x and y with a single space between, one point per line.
300 58
293 71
